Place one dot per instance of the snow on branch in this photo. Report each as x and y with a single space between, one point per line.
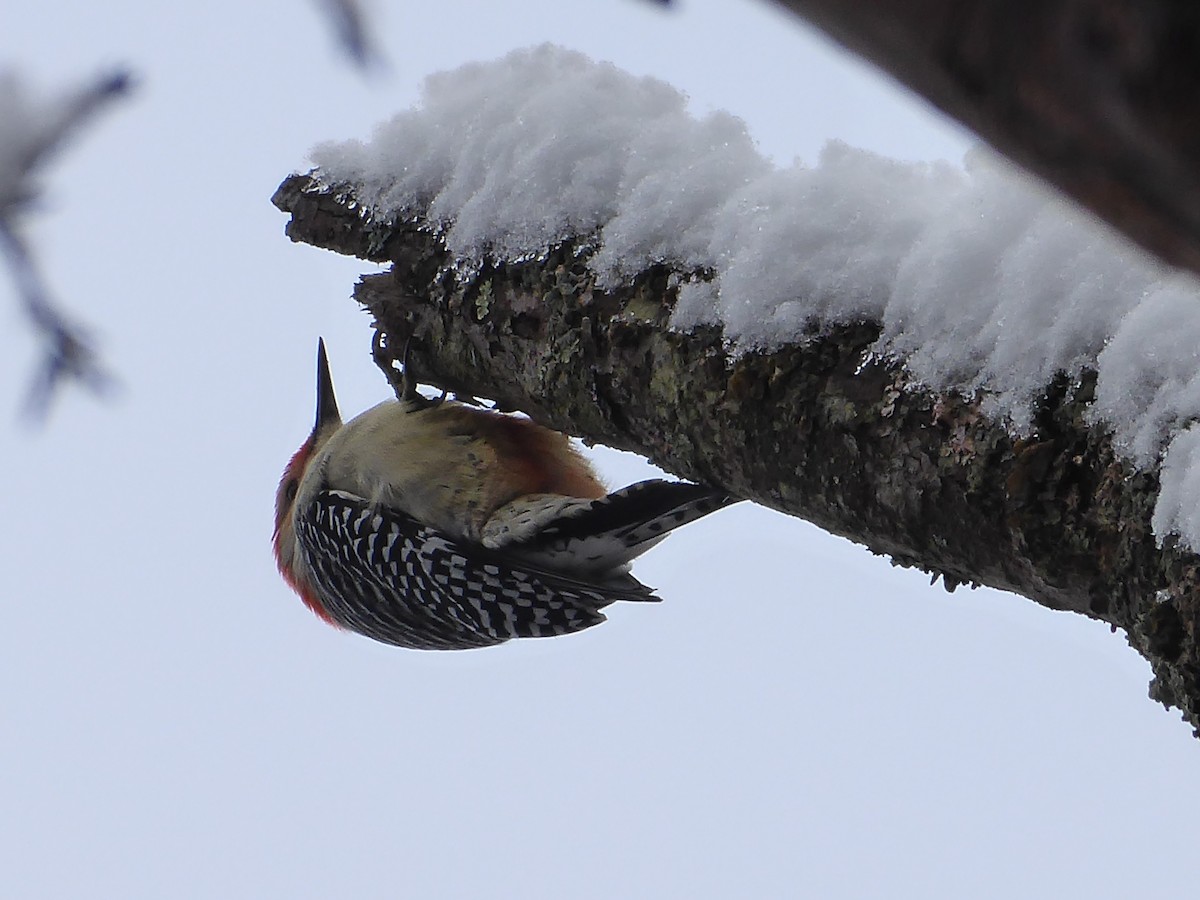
981 279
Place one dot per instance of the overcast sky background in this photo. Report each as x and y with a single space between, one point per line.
798 718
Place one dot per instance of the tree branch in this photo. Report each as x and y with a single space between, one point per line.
32 134
820 430
1099 97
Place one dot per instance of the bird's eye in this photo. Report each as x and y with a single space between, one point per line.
290 490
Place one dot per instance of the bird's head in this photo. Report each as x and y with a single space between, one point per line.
328 421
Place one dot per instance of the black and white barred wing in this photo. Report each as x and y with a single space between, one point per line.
386 576
602 535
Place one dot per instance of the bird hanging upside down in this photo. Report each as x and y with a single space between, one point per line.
435 525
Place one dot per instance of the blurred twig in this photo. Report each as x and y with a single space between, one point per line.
349 22
68 354
29 136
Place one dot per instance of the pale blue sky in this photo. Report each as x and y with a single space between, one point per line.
797 719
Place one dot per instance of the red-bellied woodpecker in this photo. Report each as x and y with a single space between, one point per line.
436 525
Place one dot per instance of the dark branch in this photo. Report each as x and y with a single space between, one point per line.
1099 97
68 355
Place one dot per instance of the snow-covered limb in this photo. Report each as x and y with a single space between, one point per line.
1101 99
949 365
980 278
820 428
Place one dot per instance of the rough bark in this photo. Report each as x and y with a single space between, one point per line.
820 430
1099 97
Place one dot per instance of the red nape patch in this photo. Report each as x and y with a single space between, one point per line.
299 458
292 474
311 601
302 588
284 507
283 532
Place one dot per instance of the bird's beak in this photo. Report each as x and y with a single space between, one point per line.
327 408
